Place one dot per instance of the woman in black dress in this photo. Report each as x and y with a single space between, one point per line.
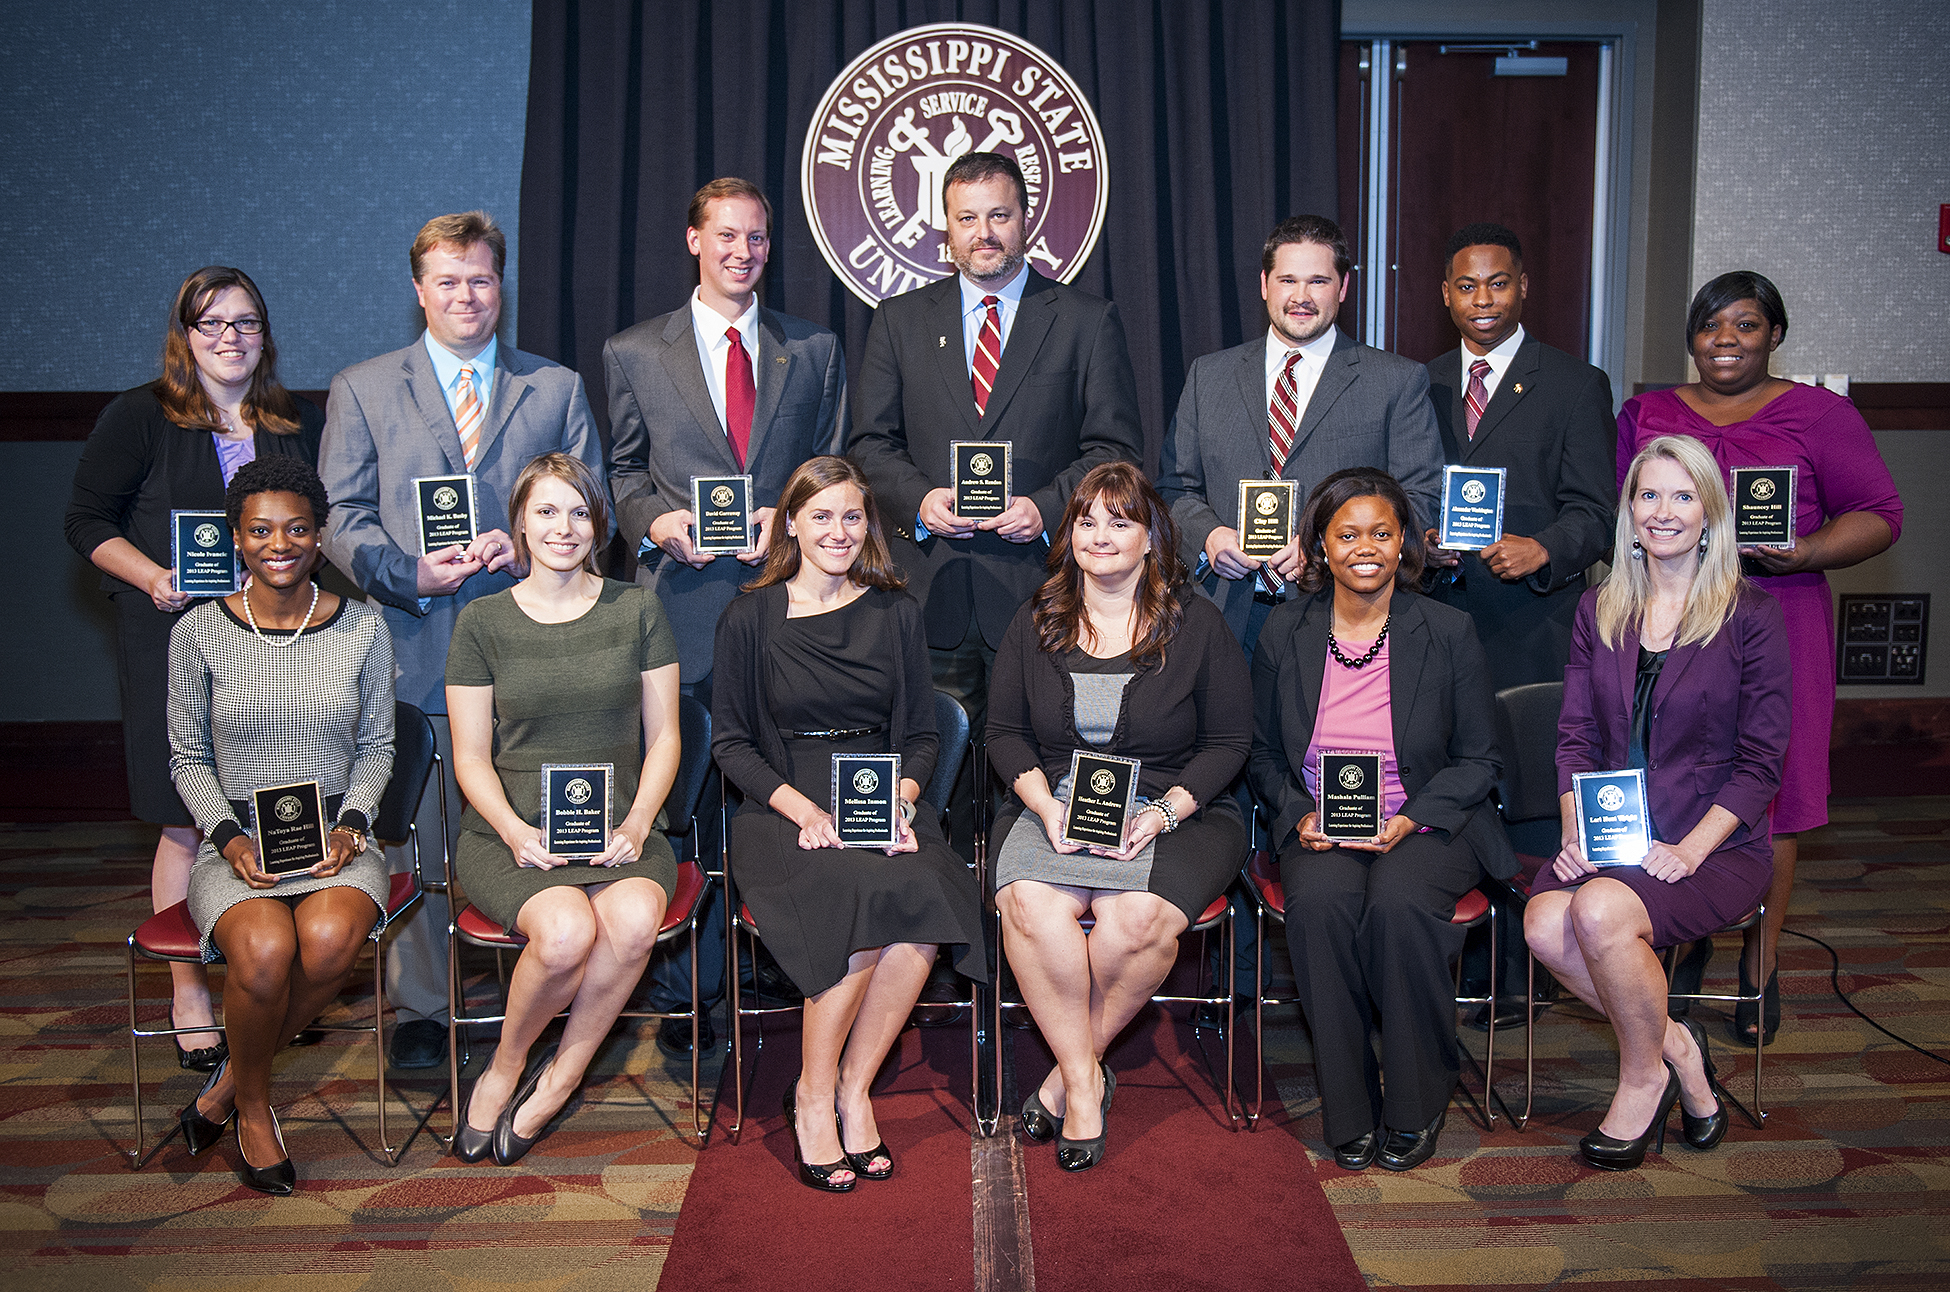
173 445
1113 655
825 655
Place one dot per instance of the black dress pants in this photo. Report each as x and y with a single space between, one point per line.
1370 935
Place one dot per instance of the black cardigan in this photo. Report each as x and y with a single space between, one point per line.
1188 718
138 466
745 737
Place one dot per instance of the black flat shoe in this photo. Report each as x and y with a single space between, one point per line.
1703 1133
510 1148
471 1145
815 1175
1687 976
1358 1153
279 1179
1743 1023
1607 1154
859 1162
199 1132
1406 1150
207 1059
1082 1154
674 1037
1039 1124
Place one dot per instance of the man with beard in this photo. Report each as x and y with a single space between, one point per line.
997 352
1299 404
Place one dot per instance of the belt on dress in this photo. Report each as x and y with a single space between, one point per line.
835 733
242 807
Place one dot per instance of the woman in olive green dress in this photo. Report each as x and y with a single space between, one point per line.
564 667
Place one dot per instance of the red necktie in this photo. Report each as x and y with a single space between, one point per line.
1477 397
988 354
740 395
1283 417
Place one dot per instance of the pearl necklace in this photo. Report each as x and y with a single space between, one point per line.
1334 647
279 643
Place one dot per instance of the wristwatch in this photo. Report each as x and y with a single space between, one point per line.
358 838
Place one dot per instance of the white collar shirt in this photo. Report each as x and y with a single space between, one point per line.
709 327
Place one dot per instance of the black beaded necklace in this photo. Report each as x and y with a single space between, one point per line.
1334 647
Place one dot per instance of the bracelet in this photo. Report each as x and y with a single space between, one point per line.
907 809
1165 810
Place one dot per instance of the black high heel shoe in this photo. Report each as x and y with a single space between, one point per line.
207 1059
472 1145
1608 1154
510 1148
815 1175
278 1179
859 1162
1770 1011
199 1132
1703 1133
1082 1154
1039 1124
1687 976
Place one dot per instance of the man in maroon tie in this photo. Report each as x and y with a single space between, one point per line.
719 387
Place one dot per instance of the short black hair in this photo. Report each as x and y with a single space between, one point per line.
278 474
1732 288
973 168
1307 228
1481 234
1336 492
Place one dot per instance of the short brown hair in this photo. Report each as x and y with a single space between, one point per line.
463 230
873 565
719 189
1307 228
575 473
973 168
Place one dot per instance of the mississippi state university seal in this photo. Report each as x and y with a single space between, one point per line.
899 115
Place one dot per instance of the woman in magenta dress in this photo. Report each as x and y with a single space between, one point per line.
1846 511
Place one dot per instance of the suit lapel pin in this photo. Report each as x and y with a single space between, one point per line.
941 343
783 359
1518 388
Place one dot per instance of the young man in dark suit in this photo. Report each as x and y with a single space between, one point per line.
719 387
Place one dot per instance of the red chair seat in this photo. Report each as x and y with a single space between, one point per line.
1471 908
479 929
402 891
169 935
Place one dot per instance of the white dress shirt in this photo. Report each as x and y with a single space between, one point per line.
1499 358
709 327
973 312
1305 377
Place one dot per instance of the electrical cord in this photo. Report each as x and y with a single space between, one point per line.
1835 978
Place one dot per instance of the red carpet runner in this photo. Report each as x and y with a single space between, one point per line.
1179 1202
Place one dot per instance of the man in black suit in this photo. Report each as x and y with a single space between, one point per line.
1505 399
997 352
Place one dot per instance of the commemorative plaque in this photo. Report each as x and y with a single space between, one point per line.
575 807
1351 803
1472 507
203 554
447 511
1266 510
1614 828
1102 790
866 813
1763 506
290 828
980 471
722 508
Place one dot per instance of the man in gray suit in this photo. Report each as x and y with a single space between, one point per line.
1301 403
452 403
720 387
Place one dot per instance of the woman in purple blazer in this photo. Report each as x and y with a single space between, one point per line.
1678 667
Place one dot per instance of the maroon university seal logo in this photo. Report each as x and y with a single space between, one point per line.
892 123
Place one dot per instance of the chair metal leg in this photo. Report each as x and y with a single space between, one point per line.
1529 1040
1259 1019
135 1066
697 1015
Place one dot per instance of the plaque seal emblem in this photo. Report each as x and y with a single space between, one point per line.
866 781
896 117
721 496
1102 781
206 535
1611 798
445 497
578 791
1473 491
981 464
1351 778
1762 489
288 808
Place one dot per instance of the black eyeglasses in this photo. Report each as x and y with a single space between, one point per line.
213 328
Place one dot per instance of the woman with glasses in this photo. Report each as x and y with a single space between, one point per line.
174 444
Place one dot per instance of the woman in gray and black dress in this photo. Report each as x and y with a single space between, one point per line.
1113 655
279 683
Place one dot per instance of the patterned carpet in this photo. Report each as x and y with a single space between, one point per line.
1847 1187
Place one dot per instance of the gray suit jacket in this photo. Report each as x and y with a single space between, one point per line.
1369 409
386 423
664 429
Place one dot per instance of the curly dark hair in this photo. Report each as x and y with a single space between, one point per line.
276 475
1061 621
1336 492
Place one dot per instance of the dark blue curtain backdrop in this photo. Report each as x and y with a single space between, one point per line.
1218 119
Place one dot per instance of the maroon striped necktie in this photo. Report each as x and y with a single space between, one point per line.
988 355
1283 417
1477 397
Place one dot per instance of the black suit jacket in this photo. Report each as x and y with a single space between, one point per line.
1064 397
1550 425
1441 708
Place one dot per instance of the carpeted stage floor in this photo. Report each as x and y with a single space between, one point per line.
1848 1187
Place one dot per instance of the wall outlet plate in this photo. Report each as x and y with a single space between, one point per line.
1883 640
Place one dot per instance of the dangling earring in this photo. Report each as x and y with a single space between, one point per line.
1702 540
1638 553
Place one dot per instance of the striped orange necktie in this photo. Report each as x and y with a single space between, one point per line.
468 414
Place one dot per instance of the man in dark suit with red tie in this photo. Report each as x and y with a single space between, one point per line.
1505 399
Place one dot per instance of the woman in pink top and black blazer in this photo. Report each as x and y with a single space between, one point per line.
1366 664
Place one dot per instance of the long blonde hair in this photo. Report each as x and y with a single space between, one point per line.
1716 586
